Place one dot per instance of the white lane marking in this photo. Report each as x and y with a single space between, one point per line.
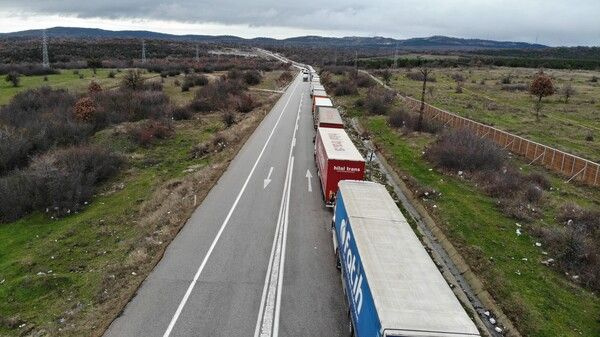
225 222
268 180
267 322
308 177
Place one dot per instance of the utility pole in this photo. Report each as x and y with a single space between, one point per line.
45 59
143 51
197 54
356 61
396 57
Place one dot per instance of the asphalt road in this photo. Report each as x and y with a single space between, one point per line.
255 258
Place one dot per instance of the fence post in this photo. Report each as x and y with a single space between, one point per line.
562 165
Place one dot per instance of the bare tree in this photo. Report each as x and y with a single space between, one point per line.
387 76
425 72
567 91
541 87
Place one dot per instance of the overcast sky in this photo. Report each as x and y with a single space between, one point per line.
551 22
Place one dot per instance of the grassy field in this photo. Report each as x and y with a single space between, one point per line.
541 301
66 79
180 98
564 125
71 276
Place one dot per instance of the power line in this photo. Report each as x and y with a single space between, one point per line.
143 51
45 59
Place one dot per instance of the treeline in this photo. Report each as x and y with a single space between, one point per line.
521 62
587 58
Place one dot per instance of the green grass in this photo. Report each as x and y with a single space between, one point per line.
66 79
540 300
564 125
78 248
548 304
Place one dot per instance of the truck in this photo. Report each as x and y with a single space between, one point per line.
315 87
321 101
328 117
392 286
337 159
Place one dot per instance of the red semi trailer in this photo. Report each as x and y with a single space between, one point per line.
337 159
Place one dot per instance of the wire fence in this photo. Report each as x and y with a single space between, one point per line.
570 166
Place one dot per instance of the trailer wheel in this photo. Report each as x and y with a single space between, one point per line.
338 262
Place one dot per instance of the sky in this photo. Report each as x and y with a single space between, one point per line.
550 22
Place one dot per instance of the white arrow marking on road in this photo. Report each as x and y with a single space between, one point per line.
308 176
268 180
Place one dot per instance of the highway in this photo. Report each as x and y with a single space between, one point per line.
255 258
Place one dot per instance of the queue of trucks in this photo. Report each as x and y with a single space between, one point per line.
392 286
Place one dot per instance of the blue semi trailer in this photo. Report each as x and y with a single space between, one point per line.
392 286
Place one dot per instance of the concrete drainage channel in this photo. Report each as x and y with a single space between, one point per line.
478 302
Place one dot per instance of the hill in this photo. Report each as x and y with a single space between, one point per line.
426 43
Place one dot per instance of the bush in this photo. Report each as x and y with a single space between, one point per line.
379 100
399 118
45 118
14 146
216 95
112 74
228 118
146 132
461 149
133 80
13 78
58 182
574 244
345 88
182 113
94 87
252 77
244 103
364 80
418 76
285 77
84 109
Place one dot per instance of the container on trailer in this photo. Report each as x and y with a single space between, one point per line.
337 159
328 118
321 101
319 93
392 286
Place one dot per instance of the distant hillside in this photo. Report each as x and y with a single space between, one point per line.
427 43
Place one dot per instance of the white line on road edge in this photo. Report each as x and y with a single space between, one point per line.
267 322
225 222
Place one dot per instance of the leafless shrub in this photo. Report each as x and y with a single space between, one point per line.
574 244
379 100
345 88
418 76
146 132
461 149
57 182
228 118
182 113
